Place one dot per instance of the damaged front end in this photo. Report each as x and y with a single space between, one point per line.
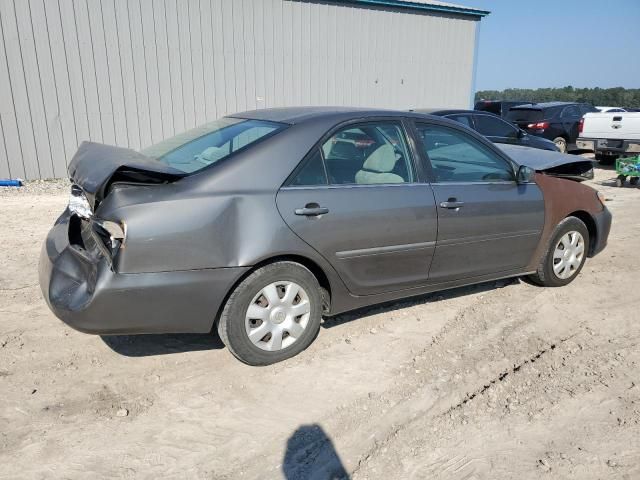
555 164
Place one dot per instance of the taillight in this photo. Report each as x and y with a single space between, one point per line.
538 126
580 125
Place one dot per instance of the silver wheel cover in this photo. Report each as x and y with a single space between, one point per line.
277 316
568 254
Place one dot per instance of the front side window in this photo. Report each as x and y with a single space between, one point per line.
203 146
366 154
458 157
494 127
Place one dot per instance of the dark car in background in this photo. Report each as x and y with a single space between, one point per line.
555 121
499 107
494 128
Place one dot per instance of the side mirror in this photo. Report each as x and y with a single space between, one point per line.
521 133
525 174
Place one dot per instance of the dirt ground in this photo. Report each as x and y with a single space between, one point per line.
501 380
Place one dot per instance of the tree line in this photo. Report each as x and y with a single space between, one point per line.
614 97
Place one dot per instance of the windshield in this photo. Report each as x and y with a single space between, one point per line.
205 145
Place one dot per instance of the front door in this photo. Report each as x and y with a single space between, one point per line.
356 200
487 223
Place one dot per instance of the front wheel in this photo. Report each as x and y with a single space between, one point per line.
561 143
272 315
565 254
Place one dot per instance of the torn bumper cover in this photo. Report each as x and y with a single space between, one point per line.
603 227
85 293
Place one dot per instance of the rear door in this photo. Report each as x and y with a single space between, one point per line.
356 199
487 223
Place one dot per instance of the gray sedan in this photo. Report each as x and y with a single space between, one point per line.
260 223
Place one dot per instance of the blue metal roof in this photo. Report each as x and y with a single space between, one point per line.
424 5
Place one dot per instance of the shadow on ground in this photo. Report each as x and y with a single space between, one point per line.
310 455
147 345
331 322
163 344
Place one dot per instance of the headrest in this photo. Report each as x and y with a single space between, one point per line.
213 154
381 160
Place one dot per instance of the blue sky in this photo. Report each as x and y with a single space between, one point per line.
547 43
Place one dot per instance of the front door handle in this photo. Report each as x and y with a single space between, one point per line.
451 204
311 210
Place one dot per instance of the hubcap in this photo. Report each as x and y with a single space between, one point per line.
568 254
277 316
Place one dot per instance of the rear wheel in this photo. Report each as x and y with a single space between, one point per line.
634 180
561 143
565 255
620 179
272 315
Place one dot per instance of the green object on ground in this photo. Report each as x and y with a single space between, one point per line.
628 167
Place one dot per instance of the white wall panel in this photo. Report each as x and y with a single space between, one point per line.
132 72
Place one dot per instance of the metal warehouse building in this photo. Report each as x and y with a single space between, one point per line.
132 72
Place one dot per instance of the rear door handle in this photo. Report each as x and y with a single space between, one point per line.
451 204
311 211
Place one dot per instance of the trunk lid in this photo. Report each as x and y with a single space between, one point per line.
95 167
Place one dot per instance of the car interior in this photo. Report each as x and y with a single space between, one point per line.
368 154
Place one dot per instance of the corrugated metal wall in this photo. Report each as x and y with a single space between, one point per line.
132 72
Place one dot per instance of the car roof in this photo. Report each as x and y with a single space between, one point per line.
297 115
543 105
440 112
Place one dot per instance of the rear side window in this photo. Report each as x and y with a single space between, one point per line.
458 157
525 115
312 172
368 154
494 127
570 112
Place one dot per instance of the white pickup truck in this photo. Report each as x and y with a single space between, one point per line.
610 135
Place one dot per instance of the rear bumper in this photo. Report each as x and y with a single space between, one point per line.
83 291
613 146
603 227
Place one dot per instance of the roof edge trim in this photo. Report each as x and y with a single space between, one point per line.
472 12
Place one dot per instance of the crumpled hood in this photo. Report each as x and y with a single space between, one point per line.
573 167
539 159
96 166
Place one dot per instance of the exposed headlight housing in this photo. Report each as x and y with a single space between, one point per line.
78 203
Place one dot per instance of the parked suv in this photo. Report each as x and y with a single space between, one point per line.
499 107
494 128
556 121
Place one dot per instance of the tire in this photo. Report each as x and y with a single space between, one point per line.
279 314
545 275
561 143
634 180
620 180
